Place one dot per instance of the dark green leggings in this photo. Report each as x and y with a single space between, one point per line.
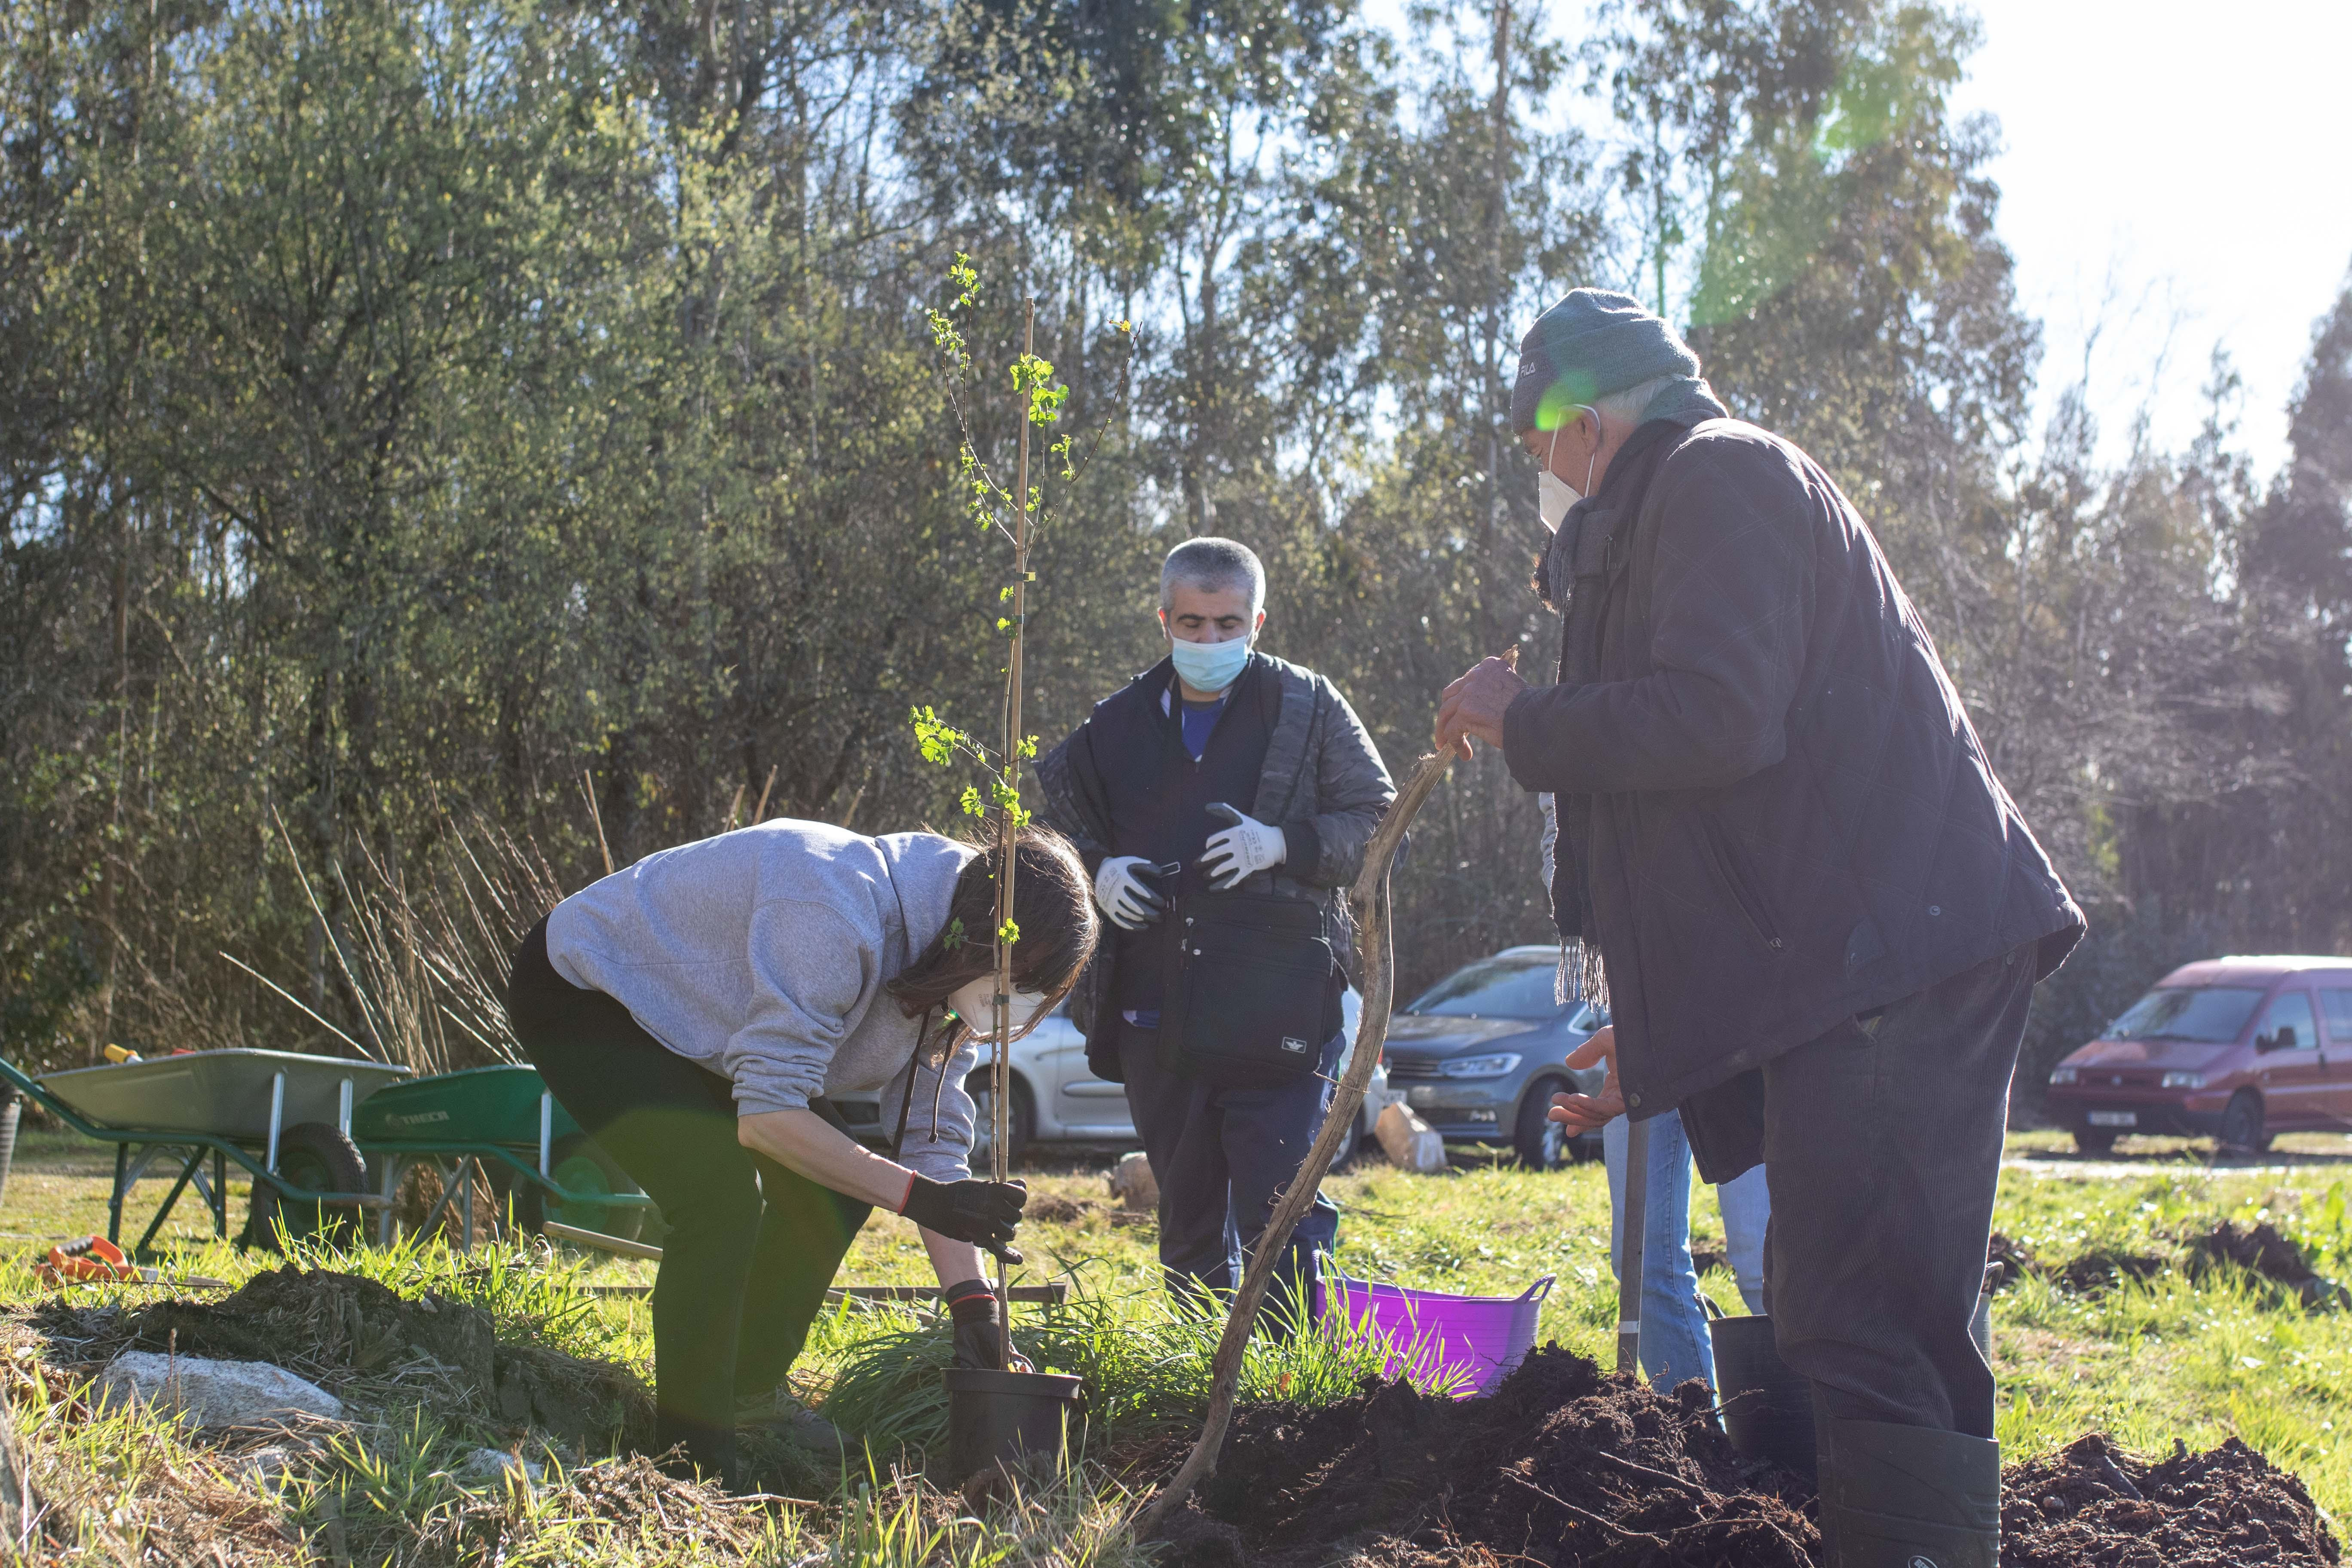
752 1245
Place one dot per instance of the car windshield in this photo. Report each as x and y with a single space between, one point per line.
2211 1015
1495 988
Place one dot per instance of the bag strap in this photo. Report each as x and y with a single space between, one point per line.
906 1100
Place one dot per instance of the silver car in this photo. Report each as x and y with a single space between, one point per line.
1481 1053
1056 1100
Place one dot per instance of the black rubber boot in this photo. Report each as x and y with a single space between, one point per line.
1907 1497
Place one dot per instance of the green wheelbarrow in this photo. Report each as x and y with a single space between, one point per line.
502 1123
282 1116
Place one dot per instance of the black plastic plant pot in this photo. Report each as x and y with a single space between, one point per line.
1014 1419
1768 1410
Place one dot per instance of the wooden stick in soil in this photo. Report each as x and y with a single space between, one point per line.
1632 1247
1369 901
1008 832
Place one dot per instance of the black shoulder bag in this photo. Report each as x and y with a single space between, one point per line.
1249 999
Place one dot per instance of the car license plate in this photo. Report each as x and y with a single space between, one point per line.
1422 1094
2114 1119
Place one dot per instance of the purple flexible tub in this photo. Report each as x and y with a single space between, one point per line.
1479 1338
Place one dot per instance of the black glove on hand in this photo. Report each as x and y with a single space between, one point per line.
978 1330
984 1214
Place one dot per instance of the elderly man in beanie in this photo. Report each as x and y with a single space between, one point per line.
1815 914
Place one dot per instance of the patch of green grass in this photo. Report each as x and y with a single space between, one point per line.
2198 1358
1145 1362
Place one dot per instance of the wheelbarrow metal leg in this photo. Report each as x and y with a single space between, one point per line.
170 1200
220 1194
207 1186
465 1199
276 1119
384 1220
441 1204
114 1203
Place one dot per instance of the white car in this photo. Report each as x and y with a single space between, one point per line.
1055 1100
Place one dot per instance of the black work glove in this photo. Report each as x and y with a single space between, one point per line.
978 1327
984 1214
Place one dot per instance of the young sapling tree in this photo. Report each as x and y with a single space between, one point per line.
1015 514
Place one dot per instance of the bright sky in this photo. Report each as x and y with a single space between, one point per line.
2175 176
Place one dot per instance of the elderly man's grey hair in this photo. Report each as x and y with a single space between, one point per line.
1214 565
1626 407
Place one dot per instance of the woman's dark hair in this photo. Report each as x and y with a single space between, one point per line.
1053 903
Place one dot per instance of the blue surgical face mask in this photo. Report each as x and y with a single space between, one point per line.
1210 666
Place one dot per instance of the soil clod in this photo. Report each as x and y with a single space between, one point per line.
1569 1467
345 1333
2093 1506
1561 1465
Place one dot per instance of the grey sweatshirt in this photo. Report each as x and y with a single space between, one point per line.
761 954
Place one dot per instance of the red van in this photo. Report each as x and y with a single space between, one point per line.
2236 1048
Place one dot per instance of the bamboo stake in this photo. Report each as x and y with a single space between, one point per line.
1008 833
1369 898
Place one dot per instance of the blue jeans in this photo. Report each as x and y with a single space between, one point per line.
1675 1344
1747 1204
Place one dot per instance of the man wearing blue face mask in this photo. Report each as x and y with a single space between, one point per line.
1223 800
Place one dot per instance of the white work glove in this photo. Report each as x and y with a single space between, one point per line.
1247 847
1127 900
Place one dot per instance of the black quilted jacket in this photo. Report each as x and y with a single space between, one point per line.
1323 783
1785 816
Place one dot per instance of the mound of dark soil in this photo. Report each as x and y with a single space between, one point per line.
2093 1506
1562 1465
343 1331
2086 1274
2261 1249
1567 1467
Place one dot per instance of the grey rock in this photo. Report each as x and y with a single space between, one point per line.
1133 1183
267 1467
484 1467
213 1393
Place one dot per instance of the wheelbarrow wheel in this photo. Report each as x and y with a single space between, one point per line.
315 1157
579 1164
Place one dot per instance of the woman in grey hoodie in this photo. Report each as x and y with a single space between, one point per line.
697 1012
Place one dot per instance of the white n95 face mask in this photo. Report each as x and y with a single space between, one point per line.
975 1003
1554 495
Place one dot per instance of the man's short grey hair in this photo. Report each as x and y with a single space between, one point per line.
1214 565
1626 407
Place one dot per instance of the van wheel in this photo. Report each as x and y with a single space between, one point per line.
2241 1124
1541 1143
2094 1139
1349 1141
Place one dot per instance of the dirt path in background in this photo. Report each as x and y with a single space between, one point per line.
2105 1168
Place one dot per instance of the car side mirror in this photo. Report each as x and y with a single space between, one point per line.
2279 1039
